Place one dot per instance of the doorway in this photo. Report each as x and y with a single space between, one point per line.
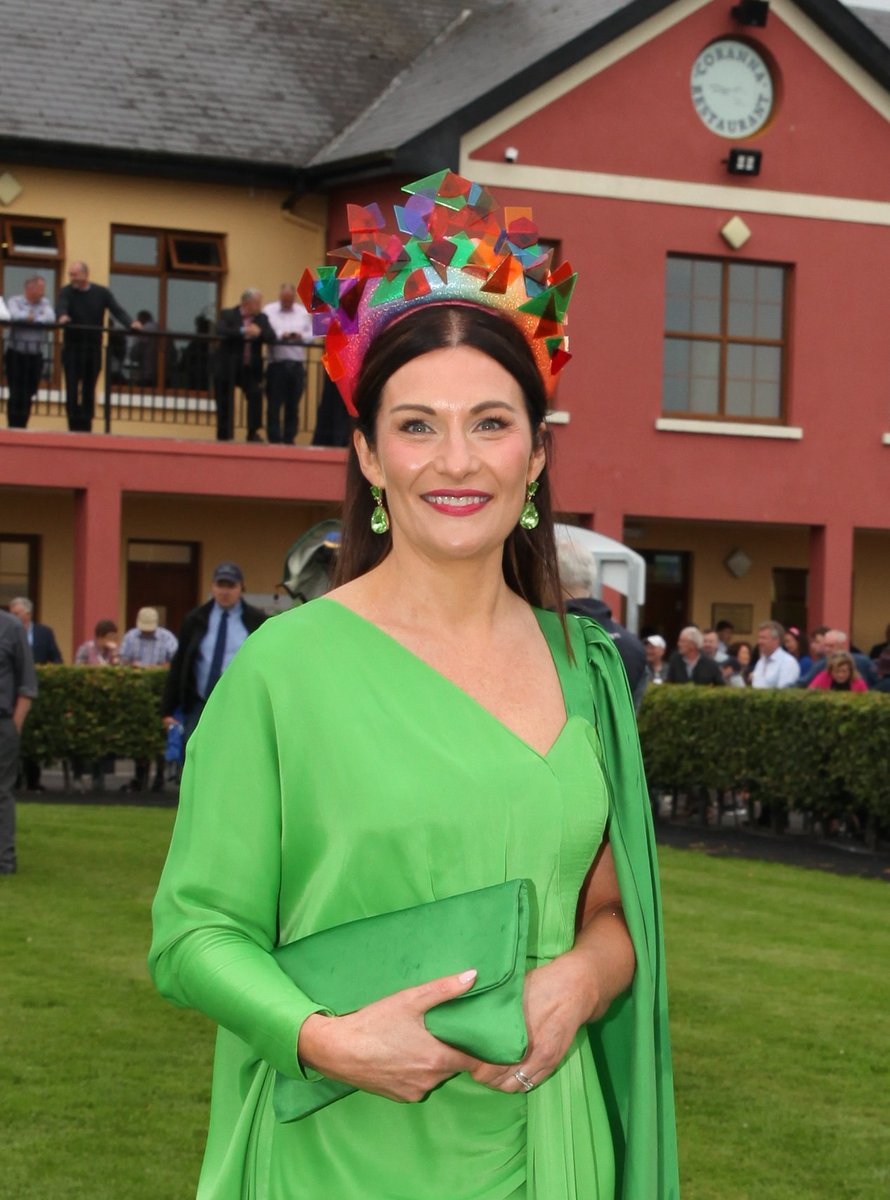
666 610
162 575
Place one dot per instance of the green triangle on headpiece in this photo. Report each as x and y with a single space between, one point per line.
428 186
553 302
553 344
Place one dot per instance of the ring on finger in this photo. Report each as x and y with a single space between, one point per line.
527 1084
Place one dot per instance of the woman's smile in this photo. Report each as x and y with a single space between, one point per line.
457 503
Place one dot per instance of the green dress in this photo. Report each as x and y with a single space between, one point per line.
335 775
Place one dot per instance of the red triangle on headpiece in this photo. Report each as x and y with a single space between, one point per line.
558 361
416 285
351 296
563 271
305 290
500 279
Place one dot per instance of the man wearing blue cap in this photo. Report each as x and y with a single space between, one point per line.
210 637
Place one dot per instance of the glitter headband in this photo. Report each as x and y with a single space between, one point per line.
452 243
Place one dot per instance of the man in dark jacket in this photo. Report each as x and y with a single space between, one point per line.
688 665
44 649
242 331
83 303
210 637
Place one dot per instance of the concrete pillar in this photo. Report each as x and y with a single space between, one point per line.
831 576
97 557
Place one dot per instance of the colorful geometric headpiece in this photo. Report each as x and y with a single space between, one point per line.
452 243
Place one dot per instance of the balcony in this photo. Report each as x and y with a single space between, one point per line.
160 384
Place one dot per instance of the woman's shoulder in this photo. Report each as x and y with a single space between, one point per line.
305 629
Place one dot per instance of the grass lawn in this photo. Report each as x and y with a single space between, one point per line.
779 981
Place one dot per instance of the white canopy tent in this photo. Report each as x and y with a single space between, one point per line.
617 567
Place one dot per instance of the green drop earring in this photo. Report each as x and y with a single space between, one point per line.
379 517
529 517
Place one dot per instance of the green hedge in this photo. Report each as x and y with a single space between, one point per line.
796 749
88 712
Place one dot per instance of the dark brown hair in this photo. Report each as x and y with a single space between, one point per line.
530 563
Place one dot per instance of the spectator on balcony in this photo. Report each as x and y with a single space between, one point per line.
286 371
29 314
242 330
775 667
142 351
688 663
149 644
44 649
102 649
840 675
210 637
82 305
333 425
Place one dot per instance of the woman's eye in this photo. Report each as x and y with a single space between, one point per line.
415 425
488 424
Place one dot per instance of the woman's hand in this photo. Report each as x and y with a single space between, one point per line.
385 1047
558 998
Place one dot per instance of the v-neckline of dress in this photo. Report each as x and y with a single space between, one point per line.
454 687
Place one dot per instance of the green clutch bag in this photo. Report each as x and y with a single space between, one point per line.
352 965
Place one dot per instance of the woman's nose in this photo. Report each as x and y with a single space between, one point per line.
456 455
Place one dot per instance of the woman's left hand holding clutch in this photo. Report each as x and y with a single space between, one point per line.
558 1001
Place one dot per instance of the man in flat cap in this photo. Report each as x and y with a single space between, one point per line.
210 637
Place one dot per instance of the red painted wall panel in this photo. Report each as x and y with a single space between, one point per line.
636 118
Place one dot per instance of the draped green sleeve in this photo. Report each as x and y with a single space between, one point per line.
215 914
631 1043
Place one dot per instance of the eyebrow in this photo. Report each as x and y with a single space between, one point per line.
477 408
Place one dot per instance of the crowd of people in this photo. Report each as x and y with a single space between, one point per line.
257 349
780 658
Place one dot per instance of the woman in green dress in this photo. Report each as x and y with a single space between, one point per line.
424 730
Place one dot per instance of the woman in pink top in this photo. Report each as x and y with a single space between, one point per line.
840 675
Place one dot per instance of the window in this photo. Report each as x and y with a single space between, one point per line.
18 567
170 279
725 339
31 246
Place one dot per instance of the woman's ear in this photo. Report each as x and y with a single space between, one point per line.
367 459
538 460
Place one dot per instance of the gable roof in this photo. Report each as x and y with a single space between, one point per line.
307 92
493 59
263 85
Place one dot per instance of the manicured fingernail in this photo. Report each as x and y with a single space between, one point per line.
468 976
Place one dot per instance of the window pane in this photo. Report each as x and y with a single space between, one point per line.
770 302
34 239
704 389
15 562
15 274
191 309
767 382
739 381
675 391
138 249
678 291
133 359
706 286
196 253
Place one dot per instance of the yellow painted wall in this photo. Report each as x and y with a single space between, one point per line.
710 545
255 534
50 515
871 587
265 246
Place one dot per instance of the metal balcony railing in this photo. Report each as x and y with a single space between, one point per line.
155 383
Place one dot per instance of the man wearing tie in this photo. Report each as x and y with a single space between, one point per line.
210 637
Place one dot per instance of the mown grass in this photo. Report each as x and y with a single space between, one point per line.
779 985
